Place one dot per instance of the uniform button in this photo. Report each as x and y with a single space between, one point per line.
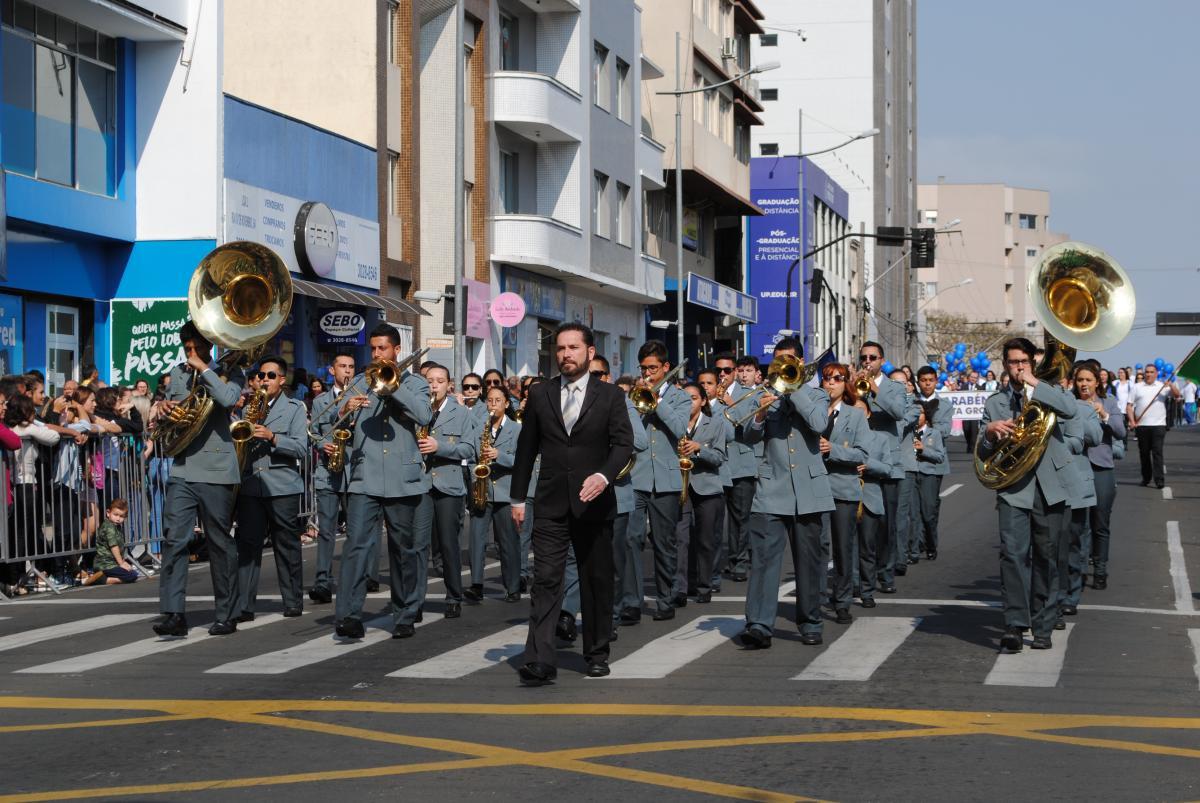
793 451
385 451
793 465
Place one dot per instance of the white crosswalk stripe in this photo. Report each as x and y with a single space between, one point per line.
1194 635
481 654
950 490
18 640
675 650
862 649
139 649
314 651
1039 668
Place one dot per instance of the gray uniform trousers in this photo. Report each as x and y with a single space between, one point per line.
328 505
278 516
908 513
1074 550
842 531
708 514
1106 494
886 563
662 510
508 540
1029 555
213 505
446 512
364 516
769 535
683 545
929 504
872 541
739 498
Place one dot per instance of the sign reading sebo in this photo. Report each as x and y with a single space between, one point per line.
316 240
341 328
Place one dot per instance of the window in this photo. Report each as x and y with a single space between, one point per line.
508 42
393 32
1030 252
1027 221
770 94
393 183
741 142
508 182
725 119
624 216
601 84
656 222
59 100
769 40
624 97
601 214
769 148
1008 218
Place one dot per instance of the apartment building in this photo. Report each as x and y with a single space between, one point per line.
714 45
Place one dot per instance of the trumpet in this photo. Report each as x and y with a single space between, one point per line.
382 378
645 399
785 374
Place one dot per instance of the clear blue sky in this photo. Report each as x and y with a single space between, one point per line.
1097 101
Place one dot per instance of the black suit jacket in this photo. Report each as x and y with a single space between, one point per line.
600 442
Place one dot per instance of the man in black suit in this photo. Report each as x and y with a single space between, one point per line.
581 428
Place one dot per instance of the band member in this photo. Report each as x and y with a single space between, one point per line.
705 445
872 529
386 481
1083 432
943 422
580 427
792 493
330 487
657 485
269 499
203 484
743 471
472 397
1031 510
843 449
451 440
502 433
1112 425
933 463
715 384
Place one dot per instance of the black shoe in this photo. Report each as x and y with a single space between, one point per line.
173 624
473 593
524 589
914 559
599 669
1060 624
222 628
901 569
669 613
372 585
613 636
1041 643
321 596
420 615
244 616
704 598
566 630
844 617
1011 640
404 631
291 613
349 628
753 639
738 577
888 588
679 601
1145 483
868 602
1100 582
1069 610
931 555
513 597
811 639
453 610
536 673
631 616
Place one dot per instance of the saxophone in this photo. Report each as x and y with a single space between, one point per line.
337 460
242 431
483 470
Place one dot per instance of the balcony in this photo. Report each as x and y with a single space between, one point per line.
550 6
536 106
650 155
652 277
535 241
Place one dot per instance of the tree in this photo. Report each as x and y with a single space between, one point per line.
943 330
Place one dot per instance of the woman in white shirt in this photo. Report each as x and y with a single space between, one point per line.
27 513
1124 386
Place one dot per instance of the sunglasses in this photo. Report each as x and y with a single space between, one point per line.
267 375
599 374
471 387
494 383
725 370
868 357
835 378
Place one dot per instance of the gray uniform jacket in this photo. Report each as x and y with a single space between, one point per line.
847 451
878 469
210 457
624 486
384 460
276 469
706 464
1101 455
932 459
657 468
943 419
505 445
791 478
458 440
1053 473
478 414
743 456
322 479
1081 432
889 410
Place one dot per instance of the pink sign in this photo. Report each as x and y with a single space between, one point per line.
508 309
478 296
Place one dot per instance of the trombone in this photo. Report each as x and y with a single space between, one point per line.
382 378
785 374
645 399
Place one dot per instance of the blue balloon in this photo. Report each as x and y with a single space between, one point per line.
960 349
1169 368
1159 363
888 367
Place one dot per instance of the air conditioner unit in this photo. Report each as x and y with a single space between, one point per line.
729 49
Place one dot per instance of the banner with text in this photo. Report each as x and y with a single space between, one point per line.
773 244
968 404
12 334
145 337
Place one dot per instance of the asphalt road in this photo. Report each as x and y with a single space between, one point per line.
910 702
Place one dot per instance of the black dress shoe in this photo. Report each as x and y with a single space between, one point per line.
599 669
420 614
173 624
222 628
901 569
513 597
524 589
888 588
453 610
244 616
1011 640
631 616
615 630
1159 485
914 559
811 639
1042 643
754 639
473 593
679 601
566 630
536 673
931 555
372 585
738 577
404 631
1069 610
321 596
704 598
844 617
291 613
1100 582
349 628
669 613
1060 624
868 602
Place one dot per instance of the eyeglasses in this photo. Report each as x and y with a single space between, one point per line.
599 374
868 357
267 375
470 387
725 370
835 378
645 368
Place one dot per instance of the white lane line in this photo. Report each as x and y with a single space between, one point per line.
950 490
1194 635
675 650
18 640
139 649
469 658
1179 577
1168 495
861 650
313 651
784 589
1038 668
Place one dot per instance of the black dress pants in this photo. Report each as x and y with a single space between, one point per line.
1150 450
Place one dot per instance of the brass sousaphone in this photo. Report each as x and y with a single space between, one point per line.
1085 301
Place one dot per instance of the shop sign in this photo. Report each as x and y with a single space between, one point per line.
12 326
691 229
316 240
144 341
508 310
439 342
544 297
341 328
717 297
478 294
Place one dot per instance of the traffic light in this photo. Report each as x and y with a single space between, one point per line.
816 285
451 306
924 246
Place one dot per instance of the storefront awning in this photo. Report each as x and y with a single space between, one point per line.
344 296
